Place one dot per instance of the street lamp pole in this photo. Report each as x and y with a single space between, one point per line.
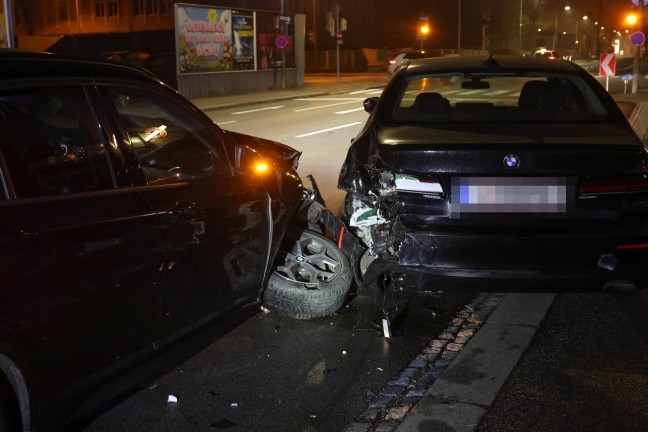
459 28
637 53
521 26
555 38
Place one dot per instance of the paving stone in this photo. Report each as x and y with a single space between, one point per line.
466 333
454 347
386 427
438 343
370 415
393 391
410 400
418 364
358 427
381 402
446 336
398 413
401 381
409 372
449 355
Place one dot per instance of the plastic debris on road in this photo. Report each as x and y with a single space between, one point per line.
172 399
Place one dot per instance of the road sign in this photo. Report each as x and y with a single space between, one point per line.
608 64
284 18
637 38
626 77
281 41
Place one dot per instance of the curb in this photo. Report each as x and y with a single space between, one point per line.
459 398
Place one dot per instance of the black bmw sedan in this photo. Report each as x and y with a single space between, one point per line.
498 173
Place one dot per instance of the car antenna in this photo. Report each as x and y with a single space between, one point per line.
491 61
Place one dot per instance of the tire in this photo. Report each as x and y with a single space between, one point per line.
7 407
311 278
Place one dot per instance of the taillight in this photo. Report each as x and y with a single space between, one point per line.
603 186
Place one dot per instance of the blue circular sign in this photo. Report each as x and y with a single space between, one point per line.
637 38
281 41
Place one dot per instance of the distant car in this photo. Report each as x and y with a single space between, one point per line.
134 230
545 53
498 174
400 58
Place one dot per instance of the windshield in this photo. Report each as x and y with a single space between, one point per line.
463 97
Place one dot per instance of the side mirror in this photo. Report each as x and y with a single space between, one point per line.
370 104
249 160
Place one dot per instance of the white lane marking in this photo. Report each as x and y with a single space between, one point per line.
326 106
257 110
227 122
328 130
350 111
328 99
497 92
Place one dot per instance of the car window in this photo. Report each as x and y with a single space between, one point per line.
171 144
461 97
50 142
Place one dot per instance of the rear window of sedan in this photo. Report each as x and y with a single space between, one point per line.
463 97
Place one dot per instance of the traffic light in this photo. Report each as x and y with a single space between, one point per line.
343 24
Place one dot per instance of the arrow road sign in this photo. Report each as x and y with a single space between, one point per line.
608 64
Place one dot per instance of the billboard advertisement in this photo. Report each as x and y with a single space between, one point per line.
203 39
213 39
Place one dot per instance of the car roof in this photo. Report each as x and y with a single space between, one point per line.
16 64
494 63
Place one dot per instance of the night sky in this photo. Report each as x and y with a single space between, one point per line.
392 24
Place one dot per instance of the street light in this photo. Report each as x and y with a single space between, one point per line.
555 41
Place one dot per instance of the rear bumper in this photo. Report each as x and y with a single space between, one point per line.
442 261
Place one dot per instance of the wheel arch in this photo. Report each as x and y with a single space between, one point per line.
14 382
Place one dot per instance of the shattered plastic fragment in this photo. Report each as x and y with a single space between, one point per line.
265 310
234 405
366 217
172 399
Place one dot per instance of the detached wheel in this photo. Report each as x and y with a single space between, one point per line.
311 279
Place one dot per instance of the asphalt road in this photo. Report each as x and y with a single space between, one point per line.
278 374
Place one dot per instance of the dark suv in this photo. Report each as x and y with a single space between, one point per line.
130 223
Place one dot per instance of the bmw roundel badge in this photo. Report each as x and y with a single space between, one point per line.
511 161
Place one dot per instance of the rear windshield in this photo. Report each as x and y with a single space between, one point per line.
462 97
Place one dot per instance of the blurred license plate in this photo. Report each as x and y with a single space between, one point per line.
510 195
